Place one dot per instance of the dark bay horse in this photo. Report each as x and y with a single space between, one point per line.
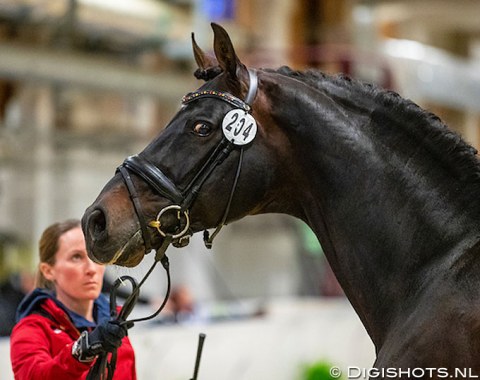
392 194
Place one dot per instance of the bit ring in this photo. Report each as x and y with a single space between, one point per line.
156 223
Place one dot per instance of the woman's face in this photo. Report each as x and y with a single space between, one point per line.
77 279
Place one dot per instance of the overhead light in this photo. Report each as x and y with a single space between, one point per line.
143 8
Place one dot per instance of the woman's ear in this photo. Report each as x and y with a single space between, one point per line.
47 271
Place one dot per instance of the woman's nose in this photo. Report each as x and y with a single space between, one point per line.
92 267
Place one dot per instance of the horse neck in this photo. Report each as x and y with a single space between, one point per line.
384 211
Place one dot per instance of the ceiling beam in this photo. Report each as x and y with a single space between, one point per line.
66 68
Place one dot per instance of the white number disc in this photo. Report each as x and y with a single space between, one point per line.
239 127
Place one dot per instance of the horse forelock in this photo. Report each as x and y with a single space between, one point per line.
446 145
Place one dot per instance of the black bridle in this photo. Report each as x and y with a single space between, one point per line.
183 200
104 367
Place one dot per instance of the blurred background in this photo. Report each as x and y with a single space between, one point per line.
85 83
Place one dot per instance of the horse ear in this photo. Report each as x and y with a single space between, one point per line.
225 52
208 67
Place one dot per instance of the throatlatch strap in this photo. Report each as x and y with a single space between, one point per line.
252 89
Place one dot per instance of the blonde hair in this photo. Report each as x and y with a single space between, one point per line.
48 247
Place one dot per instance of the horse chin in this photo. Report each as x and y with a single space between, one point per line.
130 259
128 255
132 252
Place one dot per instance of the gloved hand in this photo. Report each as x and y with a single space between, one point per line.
106 337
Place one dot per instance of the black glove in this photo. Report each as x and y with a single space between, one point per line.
104 338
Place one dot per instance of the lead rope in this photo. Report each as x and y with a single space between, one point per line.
103 369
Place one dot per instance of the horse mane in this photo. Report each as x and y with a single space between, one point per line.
447 145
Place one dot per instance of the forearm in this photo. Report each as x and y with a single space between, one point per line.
37 364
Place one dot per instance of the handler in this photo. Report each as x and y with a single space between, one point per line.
63 325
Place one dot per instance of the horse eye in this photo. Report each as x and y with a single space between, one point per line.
202 129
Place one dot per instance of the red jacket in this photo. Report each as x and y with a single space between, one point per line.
41 346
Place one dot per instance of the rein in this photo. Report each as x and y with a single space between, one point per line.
104 368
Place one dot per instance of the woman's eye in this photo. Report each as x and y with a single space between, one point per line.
202 129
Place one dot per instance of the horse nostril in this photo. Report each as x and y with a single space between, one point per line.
97 224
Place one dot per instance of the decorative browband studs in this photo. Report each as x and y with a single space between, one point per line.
225 96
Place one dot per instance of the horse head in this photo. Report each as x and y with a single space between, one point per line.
201 171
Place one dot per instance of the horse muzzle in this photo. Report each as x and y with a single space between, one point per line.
108 246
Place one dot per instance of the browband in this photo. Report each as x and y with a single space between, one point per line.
227 97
